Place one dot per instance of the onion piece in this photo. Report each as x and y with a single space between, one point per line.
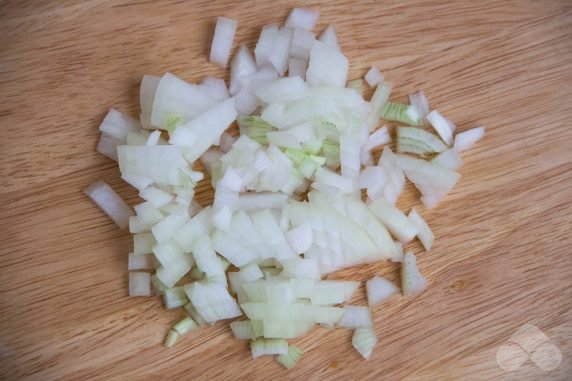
364 341
222 40
443 126
143 243
290 359
419 100
140 262
418 141
378 101
412 282
147 91
379 289
110 202
139 284
425 234
333 292
242 66
466 139
302 42
174 297
215 87
356 317
302 18
397 223
300 268
212 301
264 347
107 146
247 329
448 159
350 156
300 238
118 125
403 113
297 67
356 84
328 66
328 37
373 77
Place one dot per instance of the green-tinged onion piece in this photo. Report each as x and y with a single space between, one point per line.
418 141
174 297
255 128
247 329
172 337
399 112
364 341
289 360
263 347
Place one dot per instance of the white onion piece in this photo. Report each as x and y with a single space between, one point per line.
350 156
147 91
110 202
140 262
302 42
154 138
297 67
147 214
138 138
143 243
264 46
118 125
378 138
177 102
397 223
222 40
265 347
448 159
212 301
280 50
139 284
378 289
356 317
166 229
378 101
364 341
205 130
328 66
247 329
250 272
466 139
394 177
328 37
433 181
261 200
289 360
420 101
400 255
333 292
373 77
425 234
157 197
302 18
444 127
412 282
300 268
282 90
210 157
300 238
215 87
329 178
107 146
242 66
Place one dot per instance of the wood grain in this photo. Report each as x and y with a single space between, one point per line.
502 254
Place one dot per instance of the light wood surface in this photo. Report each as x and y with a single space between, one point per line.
502 256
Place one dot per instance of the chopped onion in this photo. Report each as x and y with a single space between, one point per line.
290 359
302 42
107 146
140 262
448 159
222 40
373 77
425 234
378 101
147 91
364 340
444 127
356 317
329 37
403 113
297 67
412 282
379 289
328 66
174 297
139 284
247 329
419 100
466 139
418 141
302 18
110 203
397 223
300 238
118 125
264 347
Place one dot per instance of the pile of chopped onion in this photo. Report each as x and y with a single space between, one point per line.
288 207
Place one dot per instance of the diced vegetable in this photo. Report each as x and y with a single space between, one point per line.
364 340
110 203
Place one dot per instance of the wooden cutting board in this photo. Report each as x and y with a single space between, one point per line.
502 256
